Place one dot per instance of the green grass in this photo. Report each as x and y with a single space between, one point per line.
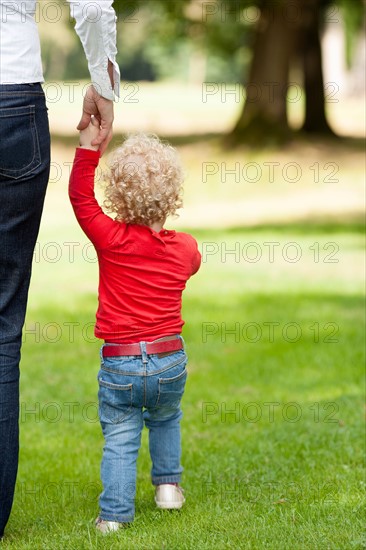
272 430
273 424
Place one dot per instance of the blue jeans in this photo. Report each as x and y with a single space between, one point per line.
134 390
24 171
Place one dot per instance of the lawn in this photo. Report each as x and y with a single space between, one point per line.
273 424
273 410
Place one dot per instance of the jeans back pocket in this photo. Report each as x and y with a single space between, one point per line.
19 150
115 401
171 389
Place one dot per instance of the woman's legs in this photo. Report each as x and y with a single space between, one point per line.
24 172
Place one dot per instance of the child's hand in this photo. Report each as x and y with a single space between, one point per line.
89 134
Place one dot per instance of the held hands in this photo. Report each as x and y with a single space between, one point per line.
102 109
90 134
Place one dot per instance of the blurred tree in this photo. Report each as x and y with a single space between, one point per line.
264 116
255 42
310 55
283 33
177 42
287 33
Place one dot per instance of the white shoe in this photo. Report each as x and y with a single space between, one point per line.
169 497
105 526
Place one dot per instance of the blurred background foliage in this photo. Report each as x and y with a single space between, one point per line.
159 39
251 42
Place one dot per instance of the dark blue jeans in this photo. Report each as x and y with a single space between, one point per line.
24 172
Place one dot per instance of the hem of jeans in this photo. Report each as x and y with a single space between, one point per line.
116 517
162 480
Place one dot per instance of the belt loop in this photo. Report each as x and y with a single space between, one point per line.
183 343
101 354
143 352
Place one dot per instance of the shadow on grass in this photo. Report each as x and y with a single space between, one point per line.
192 139
307 228
336 142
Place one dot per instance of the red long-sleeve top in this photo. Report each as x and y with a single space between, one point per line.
142 273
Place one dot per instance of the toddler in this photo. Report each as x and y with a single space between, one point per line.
143 270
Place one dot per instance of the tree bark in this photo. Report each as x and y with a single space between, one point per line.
315 121
264 116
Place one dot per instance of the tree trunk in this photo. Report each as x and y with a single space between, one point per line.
264 116
310 54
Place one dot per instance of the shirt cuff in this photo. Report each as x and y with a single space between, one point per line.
102 82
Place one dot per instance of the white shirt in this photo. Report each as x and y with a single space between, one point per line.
20 51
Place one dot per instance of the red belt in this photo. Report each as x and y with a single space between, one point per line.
115 350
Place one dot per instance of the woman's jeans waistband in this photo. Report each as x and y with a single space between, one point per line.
33 88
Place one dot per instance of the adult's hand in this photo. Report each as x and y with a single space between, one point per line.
102 109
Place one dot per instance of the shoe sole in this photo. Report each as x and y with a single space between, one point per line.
169 505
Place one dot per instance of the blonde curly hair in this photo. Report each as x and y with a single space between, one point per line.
144 182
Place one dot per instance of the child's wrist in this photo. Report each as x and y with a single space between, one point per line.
90 147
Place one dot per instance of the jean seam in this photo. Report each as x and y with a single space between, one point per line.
144 382
129 373
23 94
117 387
174 378
160 480
116 517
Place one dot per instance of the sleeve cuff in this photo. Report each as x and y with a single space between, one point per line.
101 81
88 154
